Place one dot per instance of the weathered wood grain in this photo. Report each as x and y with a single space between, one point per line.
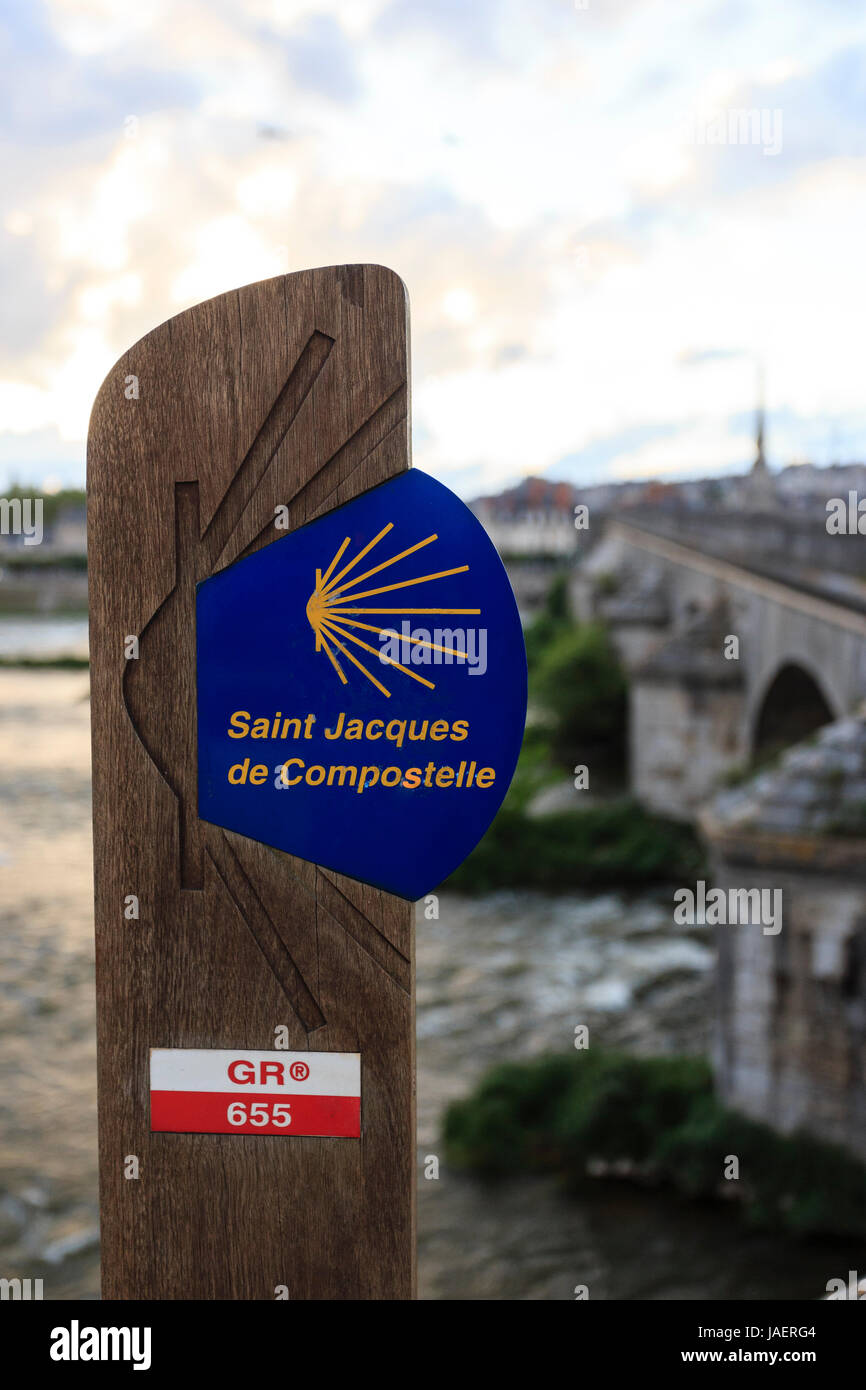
293 391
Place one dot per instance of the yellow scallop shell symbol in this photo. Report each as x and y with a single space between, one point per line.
332 610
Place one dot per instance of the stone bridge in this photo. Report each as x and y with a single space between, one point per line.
675 590
744 634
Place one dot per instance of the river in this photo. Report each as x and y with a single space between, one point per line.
500 977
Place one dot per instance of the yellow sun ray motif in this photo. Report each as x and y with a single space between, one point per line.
416 641
332 628
406 583
326 576
361 553
320 641
361 667
376 568
405 610
334 598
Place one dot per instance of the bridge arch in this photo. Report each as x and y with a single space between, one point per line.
792 706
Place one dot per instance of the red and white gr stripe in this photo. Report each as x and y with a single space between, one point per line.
232 1091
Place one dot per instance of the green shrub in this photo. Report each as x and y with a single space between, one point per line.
613 843
617 1107
660 1114
594 1105
580 684
549 624
512 1113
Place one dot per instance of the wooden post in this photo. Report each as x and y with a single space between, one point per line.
289 393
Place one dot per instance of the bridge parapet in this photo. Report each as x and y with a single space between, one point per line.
727 660
756 537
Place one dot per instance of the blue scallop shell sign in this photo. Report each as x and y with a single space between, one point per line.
362 688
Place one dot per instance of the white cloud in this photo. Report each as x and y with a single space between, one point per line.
563 244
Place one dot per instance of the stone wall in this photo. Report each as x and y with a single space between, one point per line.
682 742
790 1017
790 1037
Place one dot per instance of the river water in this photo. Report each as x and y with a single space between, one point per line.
501 977
42 636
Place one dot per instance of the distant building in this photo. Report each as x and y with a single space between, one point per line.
68 535
64 532
534 519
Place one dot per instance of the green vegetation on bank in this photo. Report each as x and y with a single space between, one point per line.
614 843
44 663
28 561
578 703
577 687
53 503
658 1119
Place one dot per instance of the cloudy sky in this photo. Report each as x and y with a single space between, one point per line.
607 214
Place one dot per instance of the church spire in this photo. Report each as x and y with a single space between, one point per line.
760 464
760 486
